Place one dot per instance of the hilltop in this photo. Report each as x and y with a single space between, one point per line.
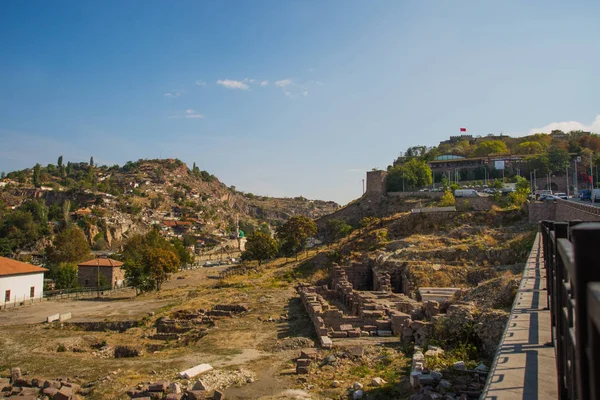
111 203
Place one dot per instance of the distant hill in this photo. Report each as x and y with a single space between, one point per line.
111 203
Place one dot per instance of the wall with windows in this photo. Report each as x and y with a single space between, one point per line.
15 289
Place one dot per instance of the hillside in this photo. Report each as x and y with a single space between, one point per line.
111 203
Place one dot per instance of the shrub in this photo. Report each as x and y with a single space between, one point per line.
447 199
61 348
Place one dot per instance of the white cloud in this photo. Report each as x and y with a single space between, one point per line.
264 83
231 84
249 80
305 93
200 83
189 113
567 126
283 83
173 94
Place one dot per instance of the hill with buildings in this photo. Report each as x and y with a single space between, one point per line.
559 161
112 203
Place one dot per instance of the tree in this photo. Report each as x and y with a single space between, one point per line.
538 163
519 196
65 275
529 148
66 212
447 199
412 174
498 184
180 249
69 246
2 175
558 159
334 230
158 264
260 246
138 256
60 161
293 234
490 147
91 161
36 175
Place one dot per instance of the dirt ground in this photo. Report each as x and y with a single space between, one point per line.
261 342
120 305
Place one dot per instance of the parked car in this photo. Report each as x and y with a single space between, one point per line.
585 195
466 193
562 196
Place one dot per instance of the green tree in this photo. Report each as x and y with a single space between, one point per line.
66 212
60 161
69 246
158 264
490 147
335 229
2 175
91 161
529 148
293 234
498 184
539 163
519 196
182 252
65 275
412 174
558 159
36 175
260 246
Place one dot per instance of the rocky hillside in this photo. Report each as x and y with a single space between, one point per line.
110 203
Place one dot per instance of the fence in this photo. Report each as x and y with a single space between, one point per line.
573 285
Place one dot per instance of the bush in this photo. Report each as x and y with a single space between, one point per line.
447 199
61 348
126 351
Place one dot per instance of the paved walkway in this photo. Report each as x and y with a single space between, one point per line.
524 368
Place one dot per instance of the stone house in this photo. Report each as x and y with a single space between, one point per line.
101 272
20 282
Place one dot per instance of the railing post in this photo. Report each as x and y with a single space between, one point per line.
586 239
559 298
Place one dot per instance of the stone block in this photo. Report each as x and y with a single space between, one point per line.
425 380
356 351
339 334
64 393
15 373
326 343
199 385
50 391
383 325
196 394
194 371
345 327
64 317
303 362
52 318
384 333
53 384
308 353
73 386
174 396
369 328
301 370
5 384
175 388
354 332
159 386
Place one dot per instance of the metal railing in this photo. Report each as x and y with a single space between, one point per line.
572 258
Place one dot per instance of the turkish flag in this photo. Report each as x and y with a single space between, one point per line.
463 129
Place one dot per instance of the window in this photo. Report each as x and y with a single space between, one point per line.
32 291
7 296
87 283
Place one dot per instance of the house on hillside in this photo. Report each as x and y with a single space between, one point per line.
101 272
20 282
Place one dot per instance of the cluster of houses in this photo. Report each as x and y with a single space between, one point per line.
22 282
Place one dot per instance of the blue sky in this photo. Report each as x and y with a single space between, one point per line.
287 98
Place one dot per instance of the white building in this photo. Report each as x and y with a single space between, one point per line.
20 282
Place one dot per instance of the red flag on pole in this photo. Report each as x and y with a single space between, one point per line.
463 129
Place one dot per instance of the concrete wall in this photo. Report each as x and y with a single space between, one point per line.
563 210
20 288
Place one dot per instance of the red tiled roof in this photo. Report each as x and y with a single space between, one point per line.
8 266
102 262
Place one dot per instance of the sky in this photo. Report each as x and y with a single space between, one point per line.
287 98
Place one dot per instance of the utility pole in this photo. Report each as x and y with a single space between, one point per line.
534 180
591 173
575 180
567 176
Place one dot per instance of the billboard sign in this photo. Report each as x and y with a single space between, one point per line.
499 164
